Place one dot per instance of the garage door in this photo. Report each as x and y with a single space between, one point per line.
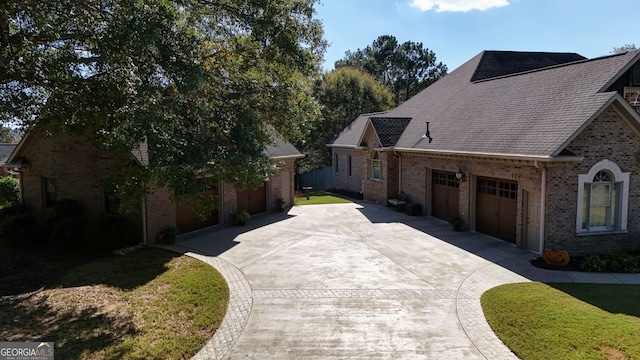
187 220
445 191
496 208
253 200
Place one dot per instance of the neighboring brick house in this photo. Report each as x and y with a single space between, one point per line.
539 149
68 166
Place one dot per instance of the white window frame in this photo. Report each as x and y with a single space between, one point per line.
618 177
375 158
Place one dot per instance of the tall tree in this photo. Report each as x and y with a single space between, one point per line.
406 69
343 94
624 48
7 136
203 82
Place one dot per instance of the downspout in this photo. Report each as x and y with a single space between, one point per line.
399 172
144 220
543 197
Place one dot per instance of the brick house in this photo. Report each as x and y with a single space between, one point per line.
68 166
538 149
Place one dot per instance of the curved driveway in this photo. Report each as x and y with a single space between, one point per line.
360 281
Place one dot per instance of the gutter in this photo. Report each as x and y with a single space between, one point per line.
546 159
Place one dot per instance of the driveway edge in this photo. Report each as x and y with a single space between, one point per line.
471 316
238 309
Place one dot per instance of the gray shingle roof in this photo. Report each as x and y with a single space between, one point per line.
282 149
526 114
5 151
388 129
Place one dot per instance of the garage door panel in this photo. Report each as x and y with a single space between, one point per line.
187 220
496 208
252 200
445 195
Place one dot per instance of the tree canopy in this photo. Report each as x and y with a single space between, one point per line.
624 48
202 83
343 94
406 69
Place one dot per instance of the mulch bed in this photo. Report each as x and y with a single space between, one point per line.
574 264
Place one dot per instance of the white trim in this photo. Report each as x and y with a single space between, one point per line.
619 176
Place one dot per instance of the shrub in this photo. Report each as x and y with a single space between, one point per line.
68 232
12 209
168 235
112 232
627 263
347 193
241 217
593 263
9 190
67 208
17 229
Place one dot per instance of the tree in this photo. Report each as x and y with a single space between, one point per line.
204 83
7 136
624 48
406 69
343 94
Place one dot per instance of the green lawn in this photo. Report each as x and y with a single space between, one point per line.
151 304
566 321
316 199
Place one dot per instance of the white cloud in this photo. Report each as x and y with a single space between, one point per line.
457 5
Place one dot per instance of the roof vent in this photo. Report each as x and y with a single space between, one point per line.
427 134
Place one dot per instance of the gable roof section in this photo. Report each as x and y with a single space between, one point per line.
528 114
352 134
281 149
500 63
388 129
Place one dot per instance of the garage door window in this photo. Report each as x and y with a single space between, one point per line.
602 199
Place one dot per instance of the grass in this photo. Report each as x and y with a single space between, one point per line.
151 304
566 321
319 198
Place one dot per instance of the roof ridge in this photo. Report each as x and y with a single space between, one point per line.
552 67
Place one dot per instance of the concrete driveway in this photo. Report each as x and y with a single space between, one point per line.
360 281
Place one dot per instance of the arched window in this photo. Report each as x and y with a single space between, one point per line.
375 167
603 199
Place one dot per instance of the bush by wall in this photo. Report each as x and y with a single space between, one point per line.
9 190
17 230
112 232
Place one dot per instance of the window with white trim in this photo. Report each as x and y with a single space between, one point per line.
375 167
603 198
335 163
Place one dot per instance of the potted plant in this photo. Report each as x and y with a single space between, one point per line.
456 223
280 204
241 217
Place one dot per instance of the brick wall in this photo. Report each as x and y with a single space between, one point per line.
77 167
281 183
416 182
607 137
342 180
161 213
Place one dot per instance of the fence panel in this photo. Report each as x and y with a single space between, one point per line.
320 179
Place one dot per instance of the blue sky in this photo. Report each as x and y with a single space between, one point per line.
457 30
